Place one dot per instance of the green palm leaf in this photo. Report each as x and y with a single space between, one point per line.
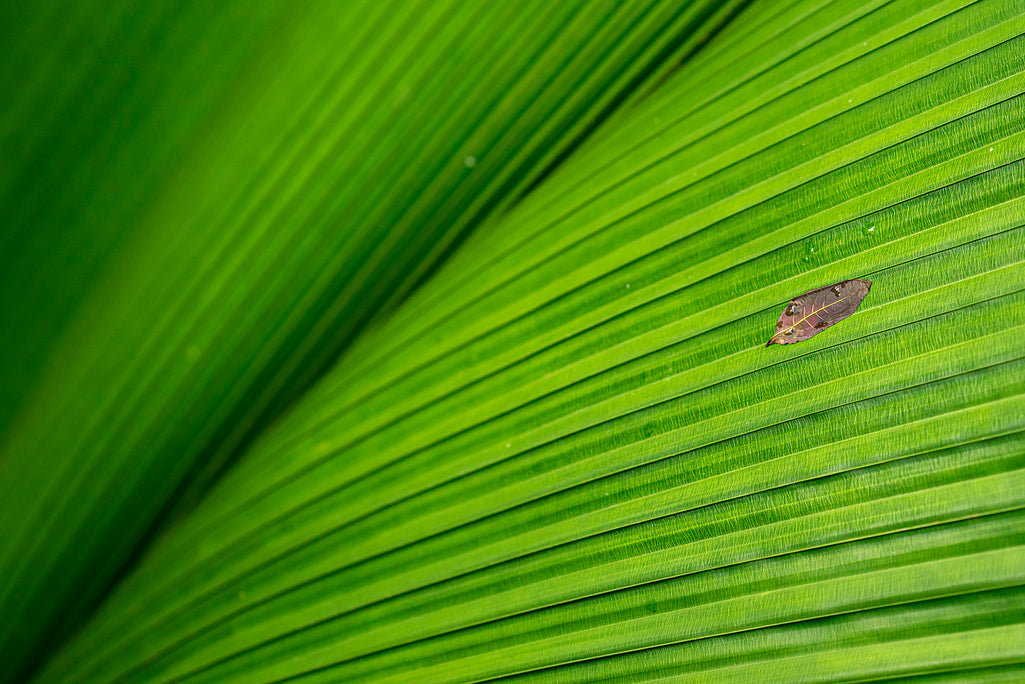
568 455
238 192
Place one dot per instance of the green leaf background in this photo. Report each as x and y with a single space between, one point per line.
424 341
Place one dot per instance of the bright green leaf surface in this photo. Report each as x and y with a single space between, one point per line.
567 456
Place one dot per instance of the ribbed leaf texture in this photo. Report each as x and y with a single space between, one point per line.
216 198
568 455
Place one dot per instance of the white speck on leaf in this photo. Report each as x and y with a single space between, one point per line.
470 162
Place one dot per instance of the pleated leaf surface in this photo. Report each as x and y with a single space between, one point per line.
203 204
569 456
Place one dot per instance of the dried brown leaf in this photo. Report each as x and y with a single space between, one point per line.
814 311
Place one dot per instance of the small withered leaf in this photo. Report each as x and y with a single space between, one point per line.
814 311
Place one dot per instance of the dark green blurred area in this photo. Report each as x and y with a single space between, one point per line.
101 104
